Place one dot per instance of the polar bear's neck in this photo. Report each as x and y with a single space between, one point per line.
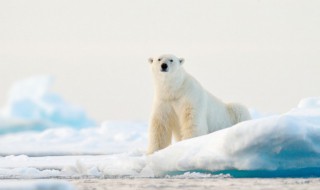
168 87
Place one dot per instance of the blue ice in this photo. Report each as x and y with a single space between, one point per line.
32 105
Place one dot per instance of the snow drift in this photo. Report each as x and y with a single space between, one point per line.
287 142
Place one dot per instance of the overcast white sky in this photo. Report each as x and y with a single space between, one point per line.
262 53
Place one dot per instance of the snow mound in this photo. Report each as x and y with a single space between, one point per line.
276 143
33 106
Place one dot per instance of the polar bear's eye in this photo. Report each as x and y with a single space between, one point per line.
171 60
159 59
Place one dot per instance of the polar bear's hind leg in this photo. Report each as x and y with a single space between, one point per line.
238 113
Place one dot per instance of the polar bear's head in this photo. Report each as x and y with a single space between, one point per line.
166 64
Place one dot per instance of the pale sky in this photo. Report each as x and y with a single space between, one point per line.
262 53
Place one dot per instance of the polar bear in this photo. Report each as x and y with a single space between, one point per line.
183 108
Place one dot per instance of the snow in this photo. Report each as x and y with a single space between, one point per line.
109 138
285 142
37 122
197 175
33 106
36 185
126 164
186 183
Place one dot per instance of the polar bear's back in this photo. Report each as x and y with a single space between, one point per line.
221 115
217 114
238 112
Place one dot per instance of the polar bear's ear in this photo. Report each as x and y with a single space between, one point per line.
150 60
181 60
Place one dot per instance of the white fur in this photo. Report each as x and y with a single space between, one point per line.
183 108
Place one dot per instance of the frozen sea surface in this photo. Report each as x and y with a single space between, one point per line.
36 185
200 183
168 184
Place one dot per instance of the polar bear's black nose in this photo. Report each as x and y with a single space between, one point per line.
164 67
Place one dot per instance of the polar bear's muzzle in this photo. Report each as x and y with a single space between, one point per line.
164 67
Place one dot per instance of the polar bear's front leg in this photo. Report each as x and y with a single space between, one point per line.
160 131
187 123
192 122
